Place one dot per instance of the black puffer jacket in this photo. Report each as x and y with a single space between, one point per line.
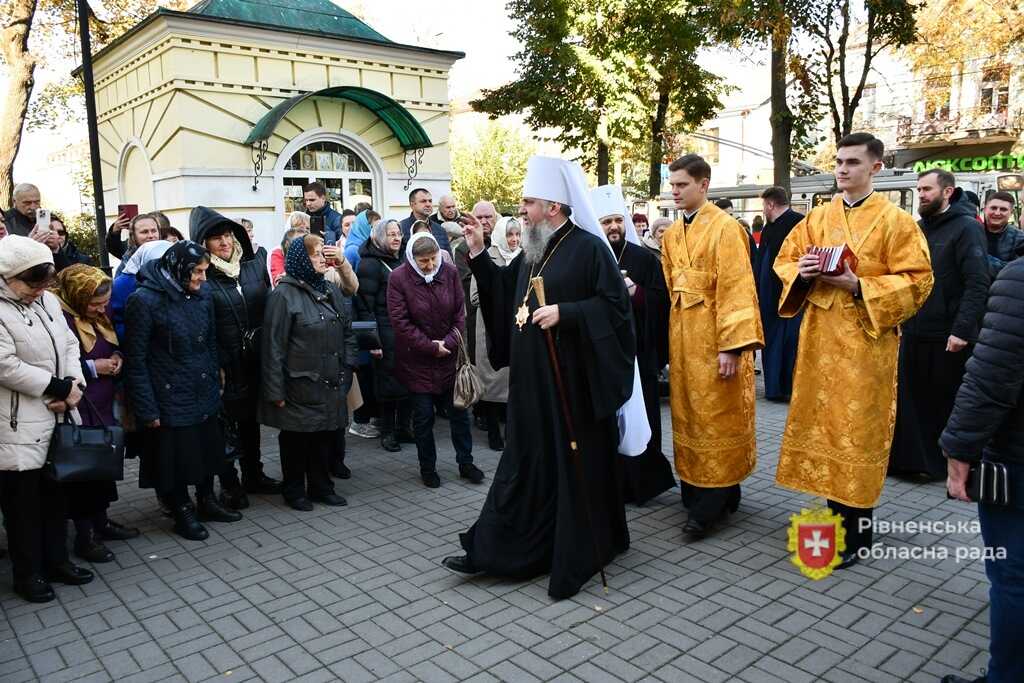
237 313
957 301
988 417
1003 247
375 266
309 351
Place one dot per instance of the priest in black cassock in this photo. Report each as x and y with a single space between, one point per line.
648 474
542 514
778 357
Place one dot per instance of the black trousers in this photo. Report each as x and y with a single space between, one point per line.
33 507
708 505
249 455
368 410
305 458
394 415
855 538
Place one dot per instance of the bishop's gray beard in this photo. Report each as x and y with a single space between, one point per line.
535 240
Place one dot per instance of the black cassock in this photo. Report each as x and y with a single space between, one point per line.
534 520
650 473
780 334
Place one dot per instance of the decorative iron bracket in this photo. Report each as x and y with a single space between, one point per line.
259 155
413 159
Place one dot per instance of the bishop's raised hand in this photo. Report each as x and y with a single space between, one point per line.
473 233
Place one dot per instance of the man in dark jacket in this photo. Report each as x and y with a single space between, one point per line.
780 334
987 424
934 345
1005 241
314 195
20 219
422 205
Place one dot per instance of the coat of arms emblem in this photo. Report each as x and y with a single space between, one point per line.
817 540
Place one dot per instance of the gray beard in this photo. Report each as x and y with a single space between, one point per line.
535 240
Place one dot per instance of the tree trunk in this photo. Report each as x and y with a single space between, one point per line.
657 141
781 116
21 67
602 163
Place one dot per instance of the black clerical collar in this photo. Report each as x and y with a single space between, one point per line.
689 216
854 205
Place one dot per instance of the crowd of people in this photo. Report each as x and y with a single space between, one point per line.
355 324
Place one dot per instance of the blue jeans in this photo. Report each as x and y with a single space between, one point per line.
1003 527
423 428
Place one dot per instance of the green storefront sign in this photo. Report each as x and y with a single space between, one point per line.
995 162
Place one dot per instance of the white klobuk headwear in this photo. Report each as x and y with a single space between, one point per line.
561 181
607 201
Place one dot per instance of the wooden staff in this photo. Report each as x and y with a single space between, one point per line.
538 287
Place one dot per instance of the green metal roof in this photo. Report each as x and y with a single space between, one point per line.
311 16
406 128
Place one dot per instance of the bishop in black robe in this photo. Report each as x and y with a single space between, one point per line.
780 334
650 473
540 515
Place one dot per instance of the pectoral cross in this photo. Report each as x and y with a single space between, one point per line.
522 316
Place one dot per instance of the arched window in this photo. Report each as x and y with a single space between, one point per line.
341 170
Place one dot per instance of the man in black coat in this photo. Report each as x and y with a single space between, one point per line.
935 343
780 334
987 423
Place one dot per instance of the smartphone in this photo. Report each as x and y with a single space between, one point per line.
42 220
130 211
316 225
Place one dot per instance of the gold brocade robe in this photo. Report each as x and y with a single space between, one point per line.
714 309
843 408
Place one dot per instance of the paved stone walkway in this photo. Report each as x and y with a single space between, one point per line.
356 594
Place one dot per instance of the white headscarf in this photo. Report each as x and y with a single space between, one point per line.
499 237
428 277
607 201
144 254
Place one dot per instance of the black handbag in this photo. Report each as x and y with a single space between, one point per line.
367 338
80 453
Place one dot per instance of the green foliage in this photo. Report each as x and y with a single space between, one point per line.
615 73
491 167
82 231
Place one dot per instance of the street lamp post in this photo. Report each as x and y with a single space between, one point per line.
94 142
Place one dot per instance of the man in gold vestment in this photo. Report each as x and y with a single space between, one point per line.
714 327
843 409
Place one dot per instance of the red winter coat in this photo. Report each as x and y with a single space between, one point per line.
421 313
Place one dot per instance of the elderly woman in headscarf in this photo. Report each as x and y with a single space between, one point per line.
40 375
126 281
504 248
239 285
379 256
173 376
428 313
652 238
309 352
84 294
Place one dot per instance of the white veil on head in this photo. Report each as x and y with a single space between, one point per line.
144 254
607 201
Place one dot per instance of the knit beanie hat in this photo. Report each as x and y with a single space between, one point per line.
18 254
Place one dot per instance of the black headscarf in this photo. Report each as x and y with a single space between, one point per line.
298 264
180 260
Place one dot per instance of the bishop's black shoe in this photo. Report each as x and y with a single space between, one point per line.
431 480
234 498
210 510
35 589
187 526
332 499
461 564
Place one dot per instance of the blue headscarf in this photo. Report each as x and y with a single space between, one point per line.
359 233
299 266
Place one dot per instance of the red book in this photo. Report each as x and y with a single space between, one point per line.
831 259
